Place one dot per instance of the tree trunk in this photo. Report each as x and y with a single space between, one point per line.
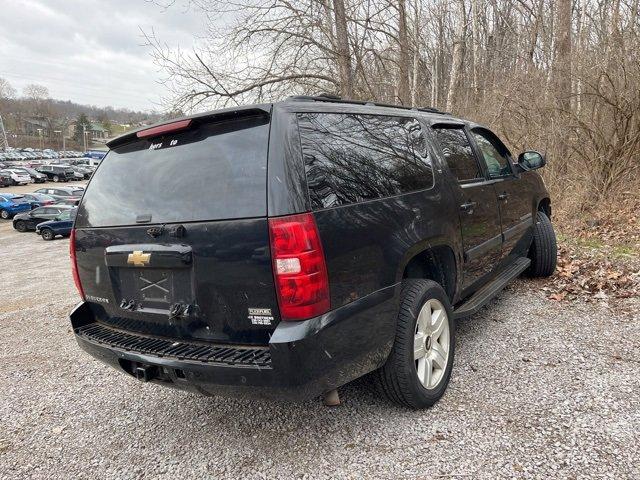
344 56
404 94
457 60
562 61
561 73
416 54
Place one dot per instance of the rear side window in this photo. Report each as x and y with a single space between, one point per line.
353 158
211 172
458 153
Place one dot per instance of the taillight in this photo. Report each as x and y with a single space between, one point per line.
299 268
74 262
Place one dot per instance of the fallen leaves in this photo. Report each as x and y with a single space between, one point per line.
592 274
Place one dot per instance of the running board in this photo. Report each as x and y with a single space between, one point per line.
491 289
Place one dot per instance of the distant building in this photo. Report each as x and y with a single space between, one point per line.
97 131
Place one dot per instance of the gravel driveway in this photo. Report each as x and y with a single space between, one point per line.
539 389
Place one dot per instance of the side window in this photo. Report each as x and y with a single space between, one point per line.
2 199
458 153
494 153
352 158
39 211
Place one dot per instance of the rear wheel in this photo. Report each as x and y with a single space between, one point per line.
418 369
56 178
47 234
5 215
544 250
21 226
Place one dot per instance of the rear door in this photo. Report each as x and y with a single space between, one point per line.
477 204
172 236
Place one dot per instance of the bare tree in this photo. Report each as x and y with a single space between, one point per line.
562 76
6 90
36 92
459 45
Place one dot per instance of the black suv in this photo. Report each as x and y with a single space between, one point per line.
57 173
286 249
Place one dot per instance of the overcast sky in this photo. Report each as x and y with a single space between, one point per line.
90 51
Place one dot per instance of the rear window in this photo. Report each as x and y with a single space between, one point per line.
353 158
212 172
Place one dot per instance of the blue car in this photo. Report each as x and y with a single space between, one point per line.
10 204
62 225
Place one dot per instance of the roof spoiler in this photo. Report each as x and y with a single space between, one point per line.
185 123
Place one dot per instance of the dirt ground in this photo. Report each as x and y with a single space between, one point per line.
540 389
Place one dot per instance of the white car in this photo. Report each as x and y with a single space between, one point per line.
18 178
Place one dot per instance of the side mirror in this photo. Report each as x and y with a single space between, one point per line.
531 160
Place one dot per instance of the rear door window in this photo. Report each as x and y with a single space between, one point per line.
457 151
214 171
353 158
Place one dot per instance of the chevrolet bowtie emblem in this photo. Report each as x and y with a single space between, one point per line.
138 258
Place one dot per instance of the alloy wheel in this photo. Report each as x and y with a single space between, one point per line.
431 343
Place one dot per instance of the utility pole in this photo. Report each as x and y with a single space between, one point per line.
4 143
84 136
40 135
62 135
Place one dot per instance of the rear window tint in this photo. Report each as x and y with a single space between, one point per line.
352 158
211 172
458 153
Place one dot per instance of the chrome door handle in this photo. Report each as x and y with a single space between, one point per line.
468 207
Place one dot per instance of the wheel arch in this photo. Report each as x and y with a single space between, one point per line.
544 205
437 263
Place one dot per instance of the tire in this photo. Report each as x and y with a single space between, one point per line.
20 226
47 234
399 379
544 250
5 215
56 178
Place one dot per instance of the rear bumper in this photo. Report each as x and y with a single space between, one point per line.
305 359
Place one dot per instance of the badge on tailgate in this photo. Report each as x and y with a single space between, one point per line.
138 258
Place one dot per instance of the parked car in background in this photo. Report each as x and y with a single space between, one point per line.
57 173
36 176
11 204
24 222
77 175
90 162
71 201
5 180
38 199
97 154
63 193
17 177
84 172
61 225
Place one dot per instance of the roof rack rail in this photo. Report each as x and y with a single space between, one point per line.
327 97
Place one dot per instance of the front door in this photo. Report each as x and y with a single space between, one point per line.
477 203
512 194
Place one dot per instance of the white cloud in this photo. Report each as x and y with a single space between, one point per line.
91 51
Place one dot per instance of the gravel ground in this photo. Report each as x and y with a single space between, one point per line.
540 389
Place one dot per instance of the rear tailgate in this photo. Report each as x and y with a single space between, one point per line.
172 237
